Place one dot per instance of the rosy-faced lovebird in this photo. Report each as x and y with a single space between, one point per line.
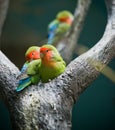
59 26
30 70
52 63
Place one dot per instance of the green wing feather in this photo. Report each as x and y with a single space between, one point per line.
30 75
33 67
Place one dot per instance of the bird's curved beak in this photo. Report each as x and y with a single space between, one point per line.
41 55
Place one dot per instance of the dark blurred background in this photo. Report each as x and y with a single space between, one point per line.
26 25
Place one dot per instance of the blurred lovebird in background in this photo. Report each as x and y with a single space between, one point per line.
59 26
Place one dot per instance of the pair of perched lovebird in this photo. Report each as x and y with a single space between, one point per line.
42 63
59 26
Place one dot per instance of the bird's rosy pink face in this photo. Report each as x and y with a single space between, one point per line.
45 53
66 20
33 55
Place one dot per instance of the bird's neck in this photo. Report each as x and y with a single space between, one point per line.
48 61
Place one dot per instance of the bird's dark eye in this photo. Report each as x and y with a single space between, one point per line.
32 53
47 50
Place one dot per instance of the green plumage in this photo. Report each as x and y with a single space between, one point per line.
52 63
30 75
33 67
60 32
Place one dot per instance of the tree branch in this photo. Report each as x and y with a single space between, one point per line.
3 12
8 72
48 106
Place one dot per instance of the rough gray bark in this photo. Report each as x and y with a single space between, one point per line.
48 106
3 12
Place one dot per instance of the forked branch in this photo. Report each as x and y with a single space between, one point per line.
48 106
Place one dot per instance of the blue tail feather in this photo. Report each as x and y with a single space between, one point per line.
50 38
23 83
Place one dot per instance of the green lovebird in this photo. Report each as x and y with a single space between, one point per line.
59 26
52 63
30 70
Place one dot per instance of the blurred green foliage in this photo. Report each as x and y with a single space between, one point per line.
26 25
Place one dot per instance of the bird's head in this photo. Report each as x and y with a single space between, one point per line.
32 53
47 52
65 16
